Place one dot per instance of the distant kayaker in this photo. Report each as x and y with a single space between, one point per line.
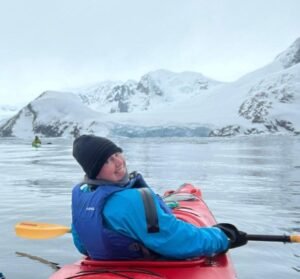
36 142
116 215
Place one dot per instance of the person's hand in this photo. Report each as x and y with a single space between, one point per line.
237 238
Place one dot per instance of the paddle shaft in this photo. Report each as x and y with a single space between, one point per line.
272 238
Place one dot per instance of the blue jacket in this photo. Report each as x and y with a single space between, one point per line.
97 240
124 214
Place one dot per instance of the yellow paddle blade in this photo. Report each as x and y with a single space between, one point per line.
295 238
36 230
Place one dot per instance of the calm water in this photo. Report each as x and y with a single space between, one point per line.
253 183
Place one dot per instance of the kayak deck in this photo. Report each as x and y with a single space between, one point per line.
190 208
216 267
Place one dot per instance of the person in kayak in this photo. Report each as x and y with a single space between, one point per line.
36 141
110 220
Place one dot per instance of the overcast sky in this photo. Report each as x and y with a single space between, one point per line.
59 44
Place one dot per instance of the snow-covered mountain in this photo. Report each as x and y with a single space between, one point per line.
155 89
52 114
163 103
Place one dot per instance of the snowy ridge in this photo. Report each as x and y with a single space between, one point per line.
153 90
52 114
285 59
291 56
164 103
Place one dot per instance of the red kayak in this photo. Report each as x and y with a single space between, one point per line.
187 205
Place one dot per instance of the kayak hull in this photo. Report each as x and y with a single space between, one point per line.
36 145
190 208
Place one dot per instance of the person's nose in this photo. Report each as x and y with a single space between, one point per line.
118 161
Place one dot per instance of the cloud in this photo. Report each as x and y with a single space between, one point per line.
57 44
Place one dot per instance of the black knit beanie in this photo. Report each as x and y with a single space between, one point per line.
91 153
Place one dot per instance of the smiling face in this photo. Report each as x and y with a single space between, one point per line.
114 168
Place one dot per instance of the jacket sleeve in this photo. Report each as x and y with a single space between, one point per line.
124 212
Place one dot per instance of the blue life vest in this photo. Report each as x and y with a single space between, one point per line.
102 243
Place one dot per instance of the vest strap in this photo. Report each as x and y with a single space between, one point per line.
150 210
